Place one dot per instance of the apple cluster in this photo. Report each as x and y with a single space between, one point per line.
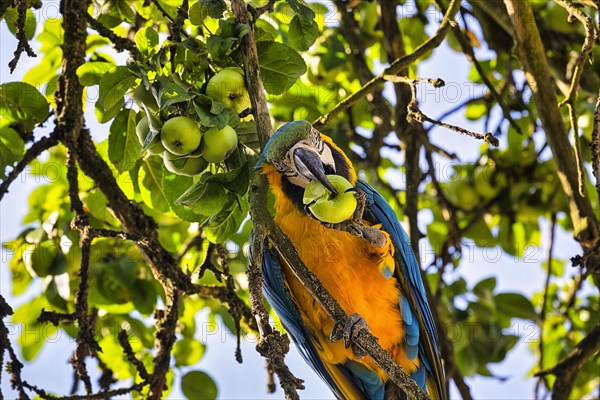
185 149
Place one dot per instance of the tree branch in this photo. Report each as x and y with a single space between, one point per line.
566 371
382 113
595 145
120 43
532 56
272 345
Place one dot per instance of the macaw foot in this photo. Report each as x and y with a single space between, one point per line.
356 227
354 324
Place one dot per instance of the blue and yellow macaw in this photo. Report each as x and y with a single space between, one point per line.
382 284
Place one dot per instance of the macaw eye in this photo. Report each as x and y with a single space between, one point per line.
315 139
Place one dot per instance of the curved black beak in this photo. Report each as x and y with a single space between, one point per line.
310 165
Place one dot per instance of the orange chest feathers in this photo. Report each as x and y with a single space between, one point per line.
349 268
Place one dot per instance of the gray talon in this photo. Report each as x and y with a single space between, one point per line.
354 324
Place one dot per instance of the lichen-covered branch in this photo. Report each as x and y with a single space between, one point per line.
119 43
595 146
272 345
566 371
532 57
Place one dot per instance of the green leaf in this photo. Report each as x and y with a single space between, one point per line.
215 8
204 106
90 73
197 13
481 234
21 102
146 40
98 206
474 111
467 361
301 9
150 178
227 222
174 186
12 148
515 305
104 116
485 286
143 296
113 86
218 46
236 180
303 33
123 144
188 351
199 385
280 66
171 93
205 198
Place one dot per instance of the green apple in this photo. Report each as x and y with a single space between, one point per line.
228 86
145 97
180 135
188 166
45 258
217 144
326 207
143 129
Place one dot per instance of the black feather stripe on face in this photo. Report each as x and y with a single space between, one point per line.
295 193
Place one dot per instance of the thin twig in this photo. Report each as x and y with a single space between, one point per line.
31 154
591 36
141 368
23 45
257 12
470 54
235 308
165 339
14 366
416 115
177 25
120 43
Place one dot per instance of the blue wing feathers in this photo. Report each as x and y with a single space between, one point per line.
279 298
383 213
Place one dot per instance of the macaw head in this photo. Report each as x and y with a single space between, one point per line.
297 154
